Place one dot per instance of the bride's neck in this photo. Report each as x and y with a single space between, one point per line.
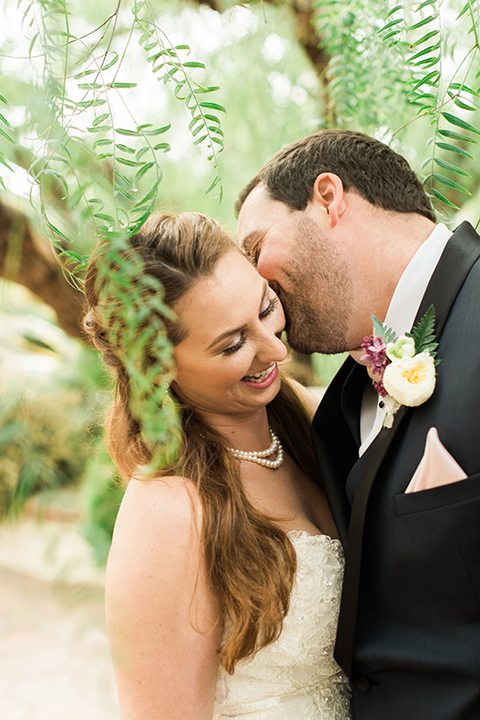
243 431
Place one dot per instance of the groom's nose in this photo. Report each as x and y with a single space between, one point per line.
267 267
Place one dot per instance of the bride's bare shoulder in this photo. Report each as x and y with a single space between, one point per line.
164 513
161 495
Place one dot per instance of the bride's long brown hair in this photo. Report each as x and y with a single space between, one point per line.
250 561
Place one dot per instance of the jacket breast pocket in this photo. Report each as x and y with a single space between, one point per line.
441 529
438 497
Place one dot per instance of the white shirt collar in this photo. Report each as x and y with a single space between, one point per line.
413 283
400 317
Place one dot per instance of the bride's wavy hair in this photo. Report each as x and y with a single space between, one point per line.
250 561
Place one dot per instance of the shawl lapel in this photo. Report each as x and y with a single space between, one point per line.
334 438
461 252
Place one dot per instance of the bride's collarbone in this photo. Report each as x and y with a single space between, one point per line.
287 477
287 494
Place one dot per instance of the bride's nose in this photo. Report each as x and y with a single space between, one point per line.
271 348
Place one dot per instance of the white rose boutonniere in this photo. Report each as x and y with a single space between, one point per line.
403 369
410 381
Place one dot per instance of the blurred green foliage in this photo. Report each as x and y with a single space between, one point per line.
45 434
51 435
326 366
102 493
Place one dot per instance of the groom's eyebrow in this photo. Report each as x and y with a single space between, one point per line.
252 243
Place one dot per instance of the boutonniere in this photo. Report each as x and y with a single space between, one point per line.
403 369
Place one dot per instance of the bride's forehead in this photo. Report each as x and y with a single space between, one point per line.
233 277
230 290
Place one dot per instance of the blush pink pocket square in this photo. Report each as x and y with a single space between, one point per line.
437 467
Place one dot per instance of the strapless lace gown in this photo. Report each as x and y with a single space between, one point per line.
296 677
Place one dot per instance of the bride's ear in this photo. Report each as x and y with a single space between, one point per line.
328 192
167 376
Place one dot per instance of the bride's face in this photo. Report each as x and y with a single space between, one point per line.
227 362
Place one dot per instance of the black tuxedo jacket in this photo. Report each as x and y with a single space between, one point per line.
409 627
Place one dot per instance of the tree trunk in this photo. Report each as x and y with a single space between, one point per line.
305 31
29 260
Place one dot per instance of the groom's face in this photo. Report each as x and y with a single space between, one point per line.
301 262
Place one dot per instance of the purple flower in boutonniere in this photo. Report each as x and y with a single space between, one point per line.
375 356
405 366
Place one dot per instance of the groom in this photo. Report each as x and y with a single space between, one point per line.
342 228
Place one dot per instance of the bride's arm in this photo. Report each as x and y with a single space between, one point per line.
162 617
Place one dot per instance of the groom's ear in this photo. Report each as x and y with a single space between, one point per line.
329 193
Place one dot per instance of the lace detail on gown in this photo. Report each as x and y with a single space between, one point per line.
296 677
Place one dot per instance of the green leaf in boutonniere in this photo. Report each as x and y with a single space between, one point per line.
423 335
380 330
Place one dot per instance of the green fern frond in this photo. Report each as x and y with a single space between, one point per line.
424 333
380 330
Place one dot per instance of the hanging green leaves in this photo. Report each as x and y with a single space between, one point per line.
444 100
102 164
128 155
365 84
170 64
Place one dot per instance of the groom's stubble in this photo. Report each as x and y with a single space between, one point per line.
318 299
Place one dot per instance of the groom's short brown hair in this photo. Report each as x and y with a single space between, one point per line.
365 166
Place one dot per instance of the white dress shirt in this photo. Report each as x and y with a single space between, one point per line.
400 317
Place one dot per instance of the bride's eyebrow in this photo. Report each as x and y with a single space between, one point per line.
227 334
265 288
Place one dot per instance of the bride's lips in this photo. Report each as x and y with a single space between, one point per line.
262 379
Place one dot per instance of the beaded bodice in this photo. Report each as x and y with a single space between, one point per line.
296 677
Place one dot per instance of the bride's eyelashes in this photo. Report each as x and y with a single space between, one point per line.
269 309
234 348
243 336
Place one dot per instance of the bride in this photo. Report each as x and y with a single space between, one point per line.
224 576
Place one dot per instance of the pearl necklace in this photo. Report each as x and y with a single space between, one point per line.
260 456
